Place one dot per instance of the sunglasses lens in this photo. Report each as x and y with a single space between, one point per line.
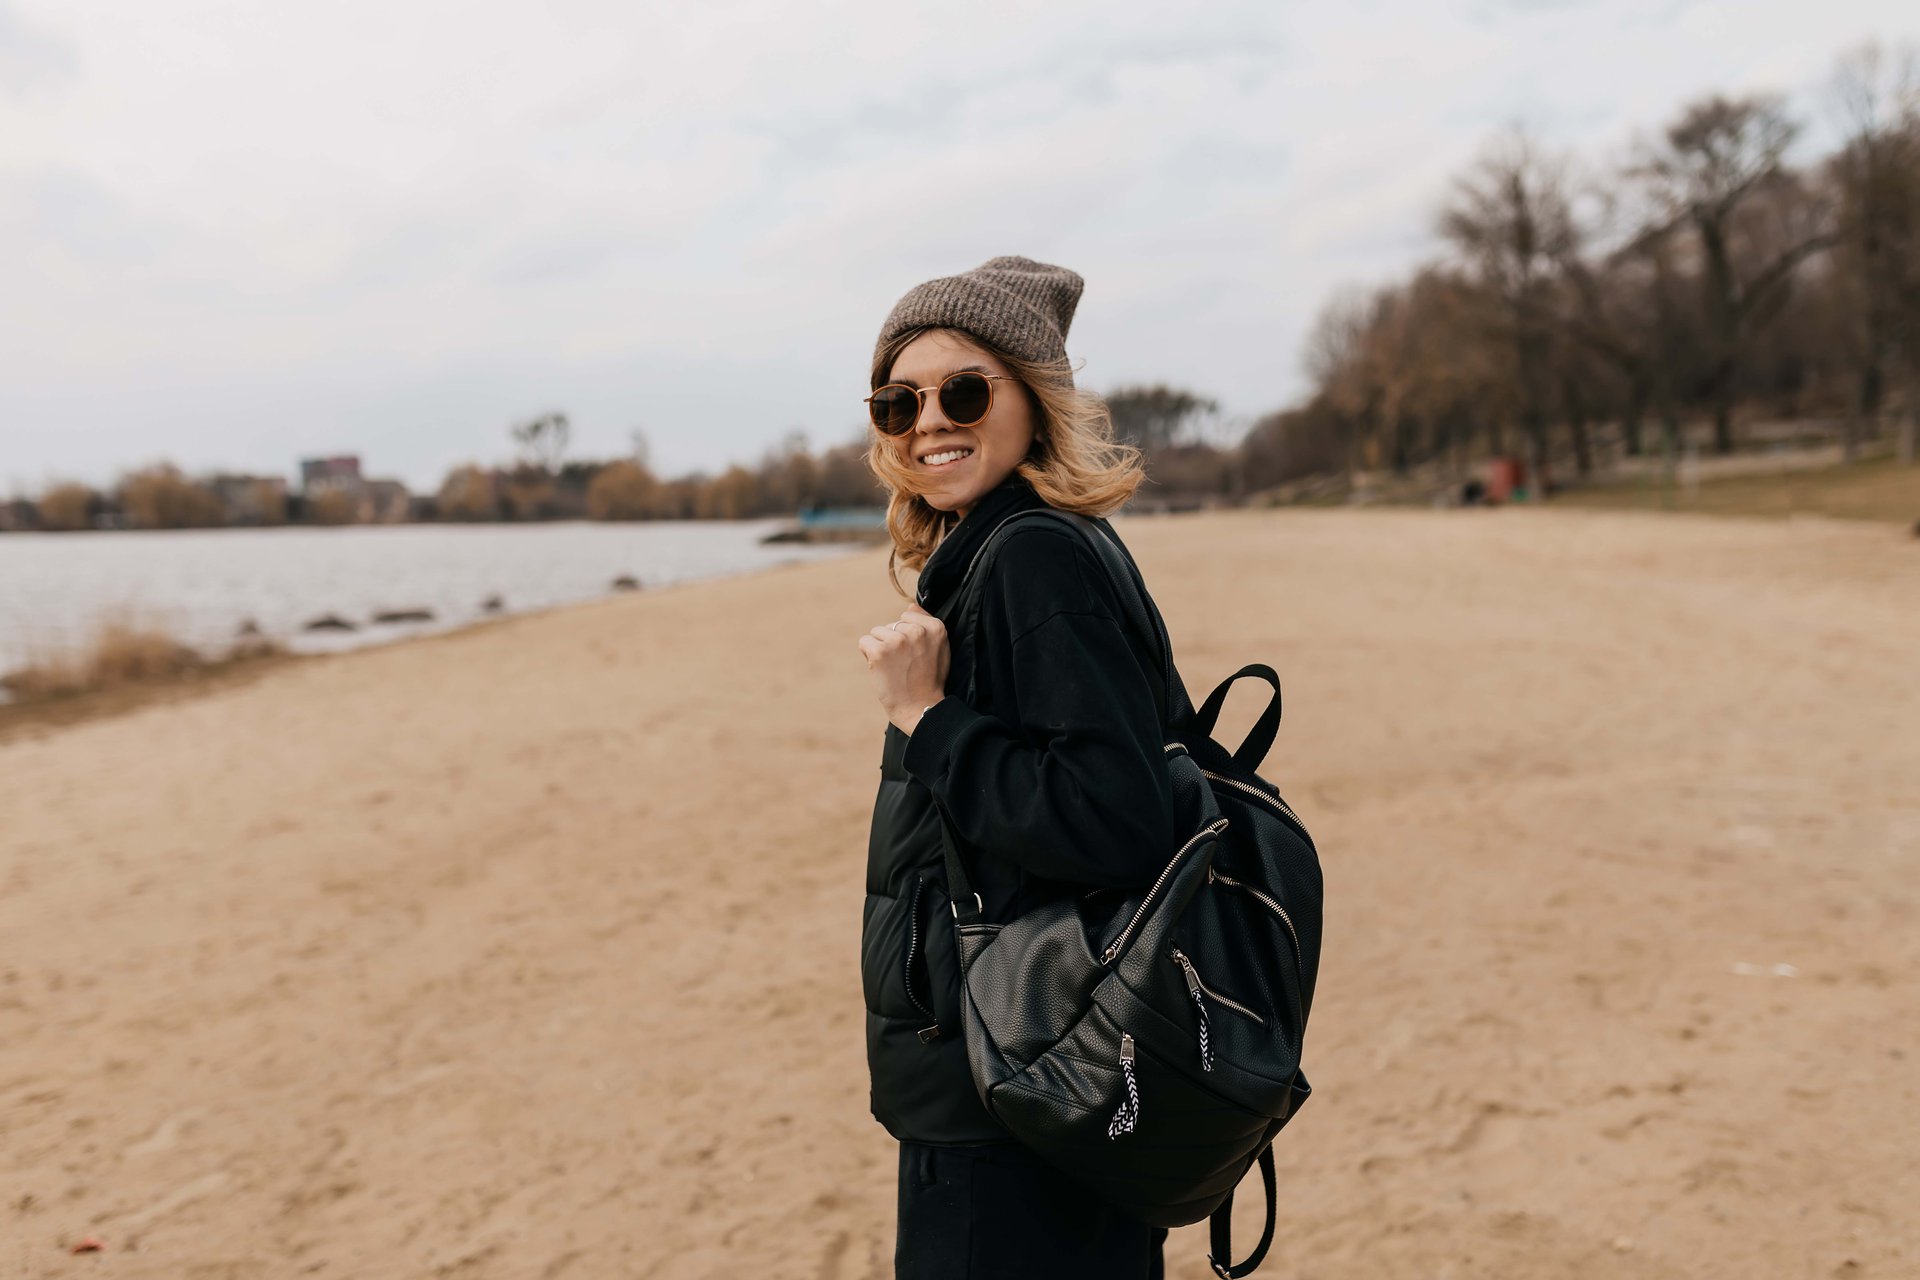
964 398
893 409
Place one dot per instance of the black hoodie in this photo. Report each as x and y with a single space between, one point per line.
1055 777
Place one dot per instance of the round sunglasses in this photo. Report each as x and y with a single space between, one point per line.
966 397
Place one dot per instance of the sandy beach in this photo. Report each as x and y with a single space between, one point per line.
532 951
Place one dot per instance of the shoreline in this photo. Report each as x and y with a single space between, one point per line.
26 716
20 717
306 643
209 588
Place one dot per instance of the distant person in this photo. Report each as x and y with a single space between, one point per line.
1054 775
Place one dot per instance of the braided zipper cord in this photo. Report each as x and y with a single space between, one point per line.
1206 1042
1129 1113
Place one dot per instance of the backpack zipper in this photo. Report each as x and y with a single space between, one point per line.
1277 804
1270 903
1199 988
1211 829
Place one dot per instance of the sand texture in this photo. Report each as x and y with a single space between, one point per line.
533 951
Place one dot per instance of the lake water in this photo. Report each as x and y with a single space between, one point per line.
203 585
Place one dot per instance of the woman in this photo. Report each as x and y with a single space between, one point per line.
1054 775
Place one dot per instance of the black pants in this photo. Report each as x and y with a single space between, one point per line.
1000 1213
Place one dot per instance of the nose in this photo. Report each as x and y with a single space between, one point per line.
932 417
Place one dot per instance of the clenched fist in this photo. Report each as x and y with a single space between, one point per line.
908 659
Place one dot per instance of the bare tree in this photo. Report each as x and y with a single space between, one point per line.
1291 444
1155 418
1628 302
1458 369
845 478
1338 360
1876 174
1511 221
789 478
543 440
1713 165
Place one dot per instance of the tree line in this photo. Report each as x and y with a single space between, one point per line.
1582 309
1579 308
1700 275
540 484
789 477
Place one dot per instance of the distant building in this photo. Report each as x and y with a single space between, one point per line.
339 474
371 501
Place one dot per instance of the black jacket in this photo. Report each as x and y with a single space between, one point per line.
1055 777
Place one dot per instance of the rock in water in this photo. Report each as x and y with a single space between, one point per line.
330 622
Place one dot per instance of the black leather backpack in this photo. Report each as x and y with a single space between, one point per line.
1148 1042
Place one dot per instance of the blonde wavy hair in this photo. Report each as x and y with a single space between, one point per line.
1074 464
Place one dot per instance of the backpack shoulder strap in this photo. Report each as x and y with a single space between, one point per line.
1170 697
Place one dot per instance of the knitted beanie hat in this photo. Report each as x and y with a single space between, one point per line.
1021 306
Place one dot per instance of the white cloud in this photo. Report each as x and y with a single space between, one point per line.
31 59
242 232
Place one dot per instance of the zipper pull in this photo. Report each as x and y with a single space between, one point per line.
1186 967
1200 1003
1129 1113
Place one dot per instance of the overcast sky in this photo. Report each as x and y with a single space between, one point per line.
232 234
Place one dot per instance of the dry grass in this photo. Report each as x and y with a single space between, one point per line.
1877 489
122 654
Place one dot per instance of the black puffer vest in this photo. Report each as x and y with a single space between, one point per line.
922 1089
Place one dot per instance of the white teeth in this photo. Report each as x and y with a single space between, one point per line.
935 459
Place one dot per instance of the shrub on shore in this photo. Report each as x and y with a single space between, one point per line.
160 497
330 507
66 508
621 490
468 494
121 653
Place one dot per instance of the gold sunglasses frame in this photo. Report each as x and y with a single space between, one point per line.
920 403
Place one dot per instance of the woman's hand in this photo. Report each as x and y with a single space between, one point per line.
908 659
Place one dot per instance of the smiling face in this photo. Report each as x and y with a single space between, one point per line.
957 466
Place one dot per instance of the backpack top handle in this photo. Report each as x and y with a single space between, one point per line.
1259 740
1220 1229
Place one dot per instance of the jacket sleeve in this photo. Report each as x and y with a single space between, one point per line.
1078 789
